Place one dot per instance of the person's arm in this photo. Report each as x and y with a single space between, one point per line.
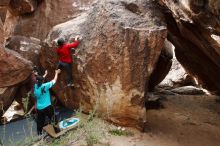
56 75
50 84
74 44
54 43
45 74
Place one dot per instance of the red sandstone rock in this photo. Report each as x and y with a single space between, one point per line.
23 6
28 48
1 34
195 36
119 51
47 15
6 98
14 69
3 11
163 66
4 2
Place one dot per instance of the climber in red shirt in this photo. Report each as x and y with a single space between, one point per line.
65 57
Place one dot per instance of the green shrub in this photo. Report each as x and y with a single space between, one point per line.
120 132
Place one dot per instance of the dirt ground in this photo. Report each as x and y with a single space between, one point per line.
184 121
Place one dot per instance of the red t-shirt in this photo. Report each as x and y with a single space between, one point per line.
64 52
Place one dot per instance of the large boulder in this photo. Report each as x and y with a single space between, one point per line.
23 6
1 34
163 65
4 2
47 14
194 31
7 20
3 12
120 47
34 18
188 90
177 77
208 9
214 7
6 98
27 47
14 69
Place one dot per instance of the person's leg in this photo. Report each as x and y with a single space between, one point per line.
40 121
53 121
68 68
69 72
50 114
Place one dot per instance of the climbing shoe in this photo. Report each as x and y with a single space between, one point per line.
57 130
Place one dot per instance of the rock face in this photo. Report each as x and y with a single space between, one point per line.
120 47
1 34
206 12
3 12
6 98
28 48
28 18
163 66
1 29
36 17
23 6
48 14
177 77
188 90
4 2
194 31
8 18
14 69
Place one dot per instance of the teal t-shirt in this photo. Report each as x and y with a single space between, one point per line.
42 95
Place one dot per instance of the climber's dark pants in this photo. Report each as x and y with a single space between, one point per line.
68 68
41 116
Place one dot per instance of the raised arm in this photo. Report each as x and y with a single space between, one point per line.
56 75
45 74
50 84
74 44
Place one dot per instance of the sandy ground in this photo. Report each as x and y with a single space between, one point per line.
185 121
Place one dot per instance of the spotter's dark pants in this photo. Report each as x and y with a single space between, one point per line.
41 116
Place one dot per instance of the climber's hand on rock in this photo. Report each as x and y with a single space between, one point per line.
77 38
58 71
54 43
